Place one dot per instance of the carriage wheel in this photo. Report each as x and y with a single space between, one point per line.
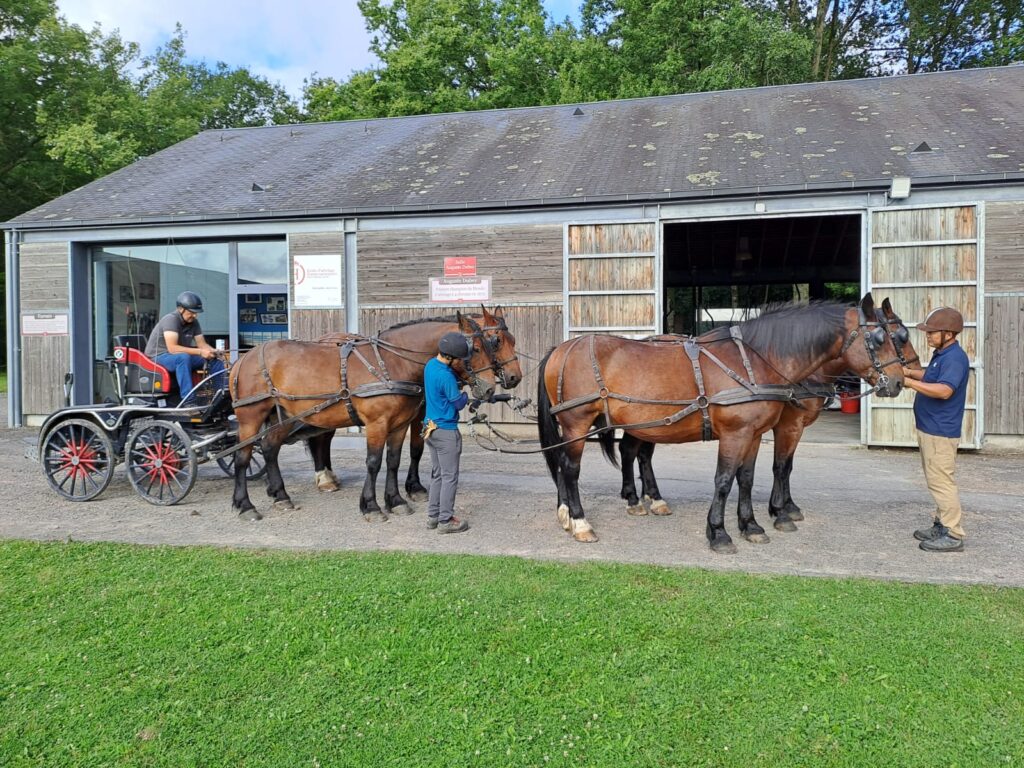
78 459
257 464
161 464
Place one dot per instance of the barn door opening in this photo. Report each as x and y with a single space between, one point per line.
923 258
611 279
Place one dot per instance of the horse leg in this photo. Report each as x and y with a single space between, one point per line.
629 446
780 505
375 440
393 501
413 487
240 501
652 495
320 448
275 483
570 510
749 528
730 456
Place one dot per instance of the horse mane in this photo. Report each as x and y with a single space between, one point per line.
791 330
445 319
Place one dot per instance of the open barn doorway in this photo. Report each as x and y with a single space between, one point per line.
721 272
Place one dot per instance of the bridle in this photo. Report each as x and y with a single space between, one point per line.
899 337
490 344
874 333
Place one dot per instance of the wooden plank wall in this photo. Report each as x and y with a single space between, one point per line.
524 261
536 327
311 324
1004 247
44 359
1004 318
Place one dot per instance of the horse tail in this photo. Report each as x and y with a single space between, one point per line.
607 440
547 425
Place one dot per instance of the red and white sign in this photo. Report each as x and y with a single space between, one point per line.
318 280
452 290
459 266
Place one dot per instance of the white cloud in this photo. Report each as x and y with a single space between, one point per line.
284 42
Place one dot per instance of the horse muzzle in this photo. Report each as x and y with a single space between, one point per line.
482 389
888 387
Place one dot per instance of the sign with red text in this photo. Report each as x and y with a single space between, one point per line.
452 290
459 266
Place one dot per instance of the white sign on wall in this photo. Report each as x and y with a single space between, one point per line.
455 289
318 280
44 324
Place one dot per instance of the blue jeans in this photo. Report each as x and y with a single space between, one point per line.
182 364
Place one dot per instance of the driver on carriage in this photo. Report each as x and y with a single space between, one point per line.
178 345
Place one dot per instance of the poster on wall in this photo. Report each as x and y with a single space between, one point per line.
447 290
318 280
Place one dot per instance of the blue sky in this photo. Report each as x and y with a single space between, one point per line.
284 42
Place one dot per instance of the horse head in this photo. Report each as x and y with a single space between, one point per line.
499 344
478 368
899 334
867 340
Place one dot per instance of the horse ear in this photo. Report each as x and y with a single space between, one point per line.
486 314
887 307
464 325
867 304
499 313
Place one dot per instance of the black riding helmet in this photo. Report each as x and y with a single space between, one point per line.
453 345
191 301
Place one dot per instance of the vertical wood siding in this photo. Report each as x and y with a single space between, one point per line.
911 249
524 262
1004 247
44 359
1004 361
605 259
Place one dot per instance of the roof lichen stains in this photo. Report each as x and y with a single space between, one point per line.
708 178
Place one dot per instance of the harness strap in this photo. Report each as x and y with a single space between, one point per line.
693 350
344 351
737 336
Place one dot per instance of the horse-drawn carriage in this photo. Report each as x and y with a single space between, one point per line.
161 445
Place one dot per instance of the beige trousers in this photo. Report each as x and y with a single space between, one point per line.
938 457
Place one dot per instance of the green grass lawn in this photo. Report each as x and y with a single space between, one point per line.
120 655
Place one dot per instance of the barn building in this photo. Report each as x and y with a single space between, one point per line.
639 216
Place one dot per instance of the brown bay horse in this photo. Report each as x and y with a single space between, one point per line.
731 386
795 418
289 390
498 342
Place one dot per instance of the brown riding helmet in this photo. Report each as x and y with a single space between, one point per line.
942 319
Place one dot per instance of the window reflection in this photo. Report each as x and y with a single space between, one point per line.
263 263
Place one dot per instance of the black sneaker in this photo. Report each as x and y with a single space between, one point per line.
453 525
944 543
431 522
927 534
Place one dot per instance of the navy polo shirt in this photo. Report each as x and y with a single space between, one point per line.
944 418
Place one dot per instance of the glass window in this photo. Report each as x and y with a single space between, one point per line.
263 263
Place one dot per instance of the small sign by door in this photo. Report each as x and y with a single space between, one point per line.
459 266
45 324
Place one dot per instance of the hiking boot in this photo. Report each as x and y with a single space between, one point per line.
453 525
943 543
927 534
431 522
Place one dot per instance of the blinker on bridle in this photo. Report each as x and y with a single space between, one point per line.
490 345
874 333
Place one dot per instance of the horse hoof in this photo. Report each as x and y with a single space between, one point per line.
723 547
757 538
796 515
784 525
328 487
416 495
285 504
660 507
636 510
587 537
401 509
250 514
375 517
327 482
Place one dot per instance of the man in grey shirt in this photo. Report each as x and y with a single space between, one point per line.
178 345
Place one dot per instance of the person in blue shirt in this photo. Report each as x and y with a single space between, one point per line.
441 427
939 413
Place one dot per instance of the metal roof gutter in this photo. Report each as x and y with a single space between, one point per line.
574 201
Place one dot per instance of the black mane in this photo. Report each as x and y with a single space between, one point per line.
795 330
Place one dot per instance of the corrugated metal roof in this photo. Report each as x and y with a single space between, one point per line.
823 136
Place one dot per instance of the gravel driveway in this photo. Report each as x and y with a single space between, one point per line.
861 506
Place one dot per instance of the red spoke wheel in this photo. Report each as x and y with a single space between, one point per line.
78 459
161 464
257 464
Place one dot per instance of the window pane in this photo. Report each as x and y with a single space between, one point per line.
263 263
